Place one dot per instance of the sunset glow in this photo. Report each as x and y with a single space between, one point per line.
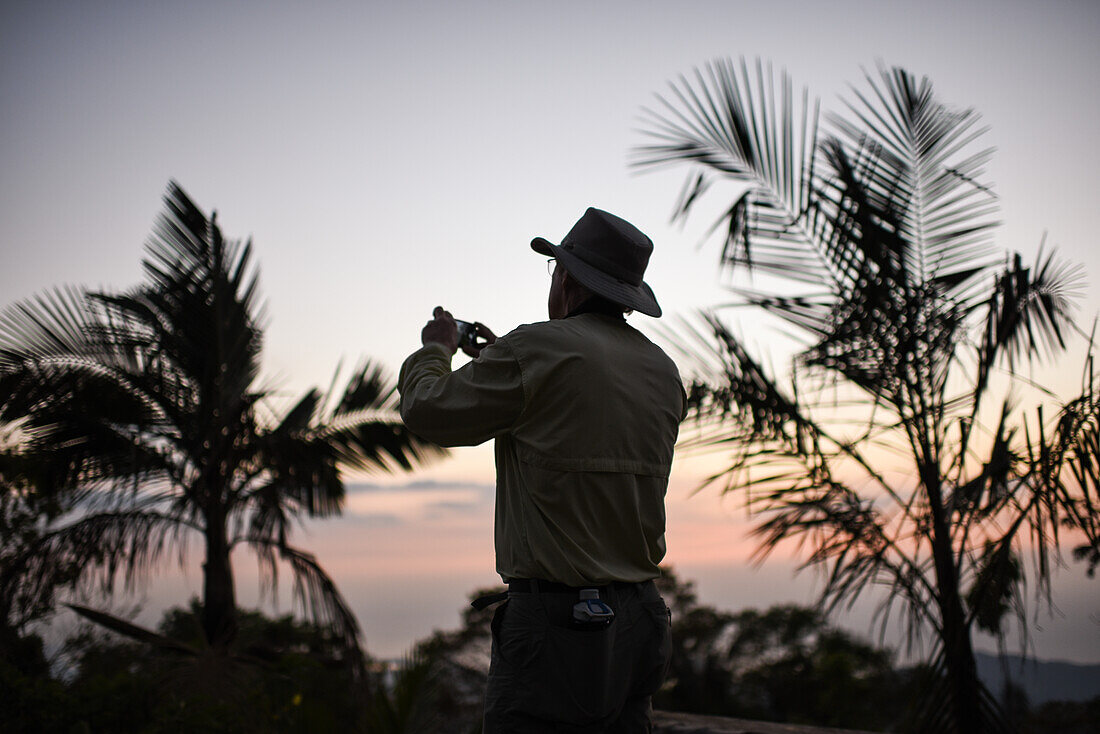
385 158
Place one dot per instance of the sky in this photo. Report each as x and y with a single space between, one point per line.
386 157
408 556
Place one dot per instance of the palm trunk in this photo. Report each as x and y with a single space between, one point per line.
219 612
962 670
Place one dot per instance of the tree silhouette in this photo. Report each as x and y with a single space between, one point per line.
23 516
782 664
878 234
149 410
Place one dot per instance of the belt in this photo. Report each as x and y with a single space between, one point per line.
539 586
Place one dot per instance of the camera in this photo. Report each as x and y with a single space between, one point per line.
467 335
590 613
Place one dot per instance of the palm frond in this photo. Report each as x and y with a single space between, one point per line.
206 288
1069 467
738 405
996 589
315 591
739 391
302 459
921 166
134 632
101 546
364 428
810 313
1028 312
77 393
749 130
53 324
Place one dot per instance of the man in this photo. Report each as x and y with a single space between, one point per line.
585 412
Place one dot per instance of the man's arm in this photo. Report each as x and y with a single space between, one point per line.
465 407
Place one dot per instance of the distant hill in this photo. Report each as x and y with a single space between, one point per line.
1043 681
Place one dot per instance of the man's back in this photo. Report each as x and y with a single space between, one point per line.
582 472
598 395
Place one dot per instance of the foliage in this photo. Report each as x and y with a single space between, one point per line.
295 682
411 704
146 415
459 667
1062 717
785 664
30 700
23 517
896 454
285 676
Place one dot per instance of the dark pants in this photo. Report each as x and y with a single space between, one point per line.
548 676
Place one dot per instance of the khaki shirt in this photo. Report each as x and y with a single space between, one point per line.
585 411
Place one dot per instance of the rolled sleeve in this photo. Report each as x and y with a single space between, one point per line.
464 407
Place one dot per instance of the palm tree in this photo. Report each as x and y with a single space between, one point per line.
149 408
878 234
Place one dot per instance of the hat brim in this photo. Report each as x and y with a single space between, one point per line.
635 297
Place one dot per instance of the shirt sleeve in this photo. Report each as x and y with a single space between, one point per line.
465 407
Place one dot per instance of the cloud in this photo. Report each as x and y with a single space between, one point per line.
421 485
420 501
375 519
448 508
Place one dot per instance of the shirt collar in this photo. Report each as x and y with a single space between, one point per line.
597 304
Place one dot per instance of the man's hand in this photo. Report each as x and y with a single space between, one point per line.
485 338
440 330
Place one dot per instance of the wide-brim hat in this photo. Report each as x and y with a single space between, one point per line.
608 256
